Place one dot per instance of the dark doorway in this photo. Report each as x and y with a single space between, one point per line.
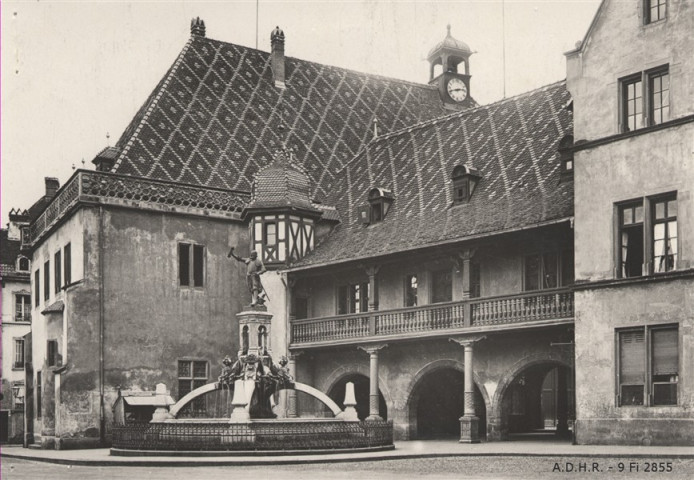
540 400
361 394
437 403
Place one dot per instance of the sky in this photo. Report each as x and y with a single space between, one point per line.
75 72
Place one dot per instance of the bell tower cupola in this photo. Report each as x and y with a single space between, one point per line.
449 69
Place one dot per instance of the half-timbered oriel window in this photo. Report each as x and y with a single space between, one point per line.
279 238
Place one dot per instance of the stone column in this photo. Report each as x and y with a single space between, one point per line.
291 393
372 350
469 422
372 271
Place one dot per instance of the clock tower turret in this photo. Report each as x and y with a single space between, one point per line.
449 63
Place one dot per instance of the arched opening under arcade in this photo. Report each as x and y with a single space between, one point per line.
538 402
437 402
361 394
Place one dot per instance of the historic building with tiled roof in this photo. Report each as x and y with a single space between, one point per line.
512 145
15 267
418 245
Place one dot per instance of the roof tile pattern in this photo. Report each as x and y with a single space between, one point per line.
513 144
282 184
212 119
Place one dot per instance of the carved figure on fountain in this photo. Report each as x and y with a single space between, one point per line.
261 378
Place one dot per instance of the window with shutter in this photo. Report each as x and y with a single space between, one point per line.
665 366
632 367
648 366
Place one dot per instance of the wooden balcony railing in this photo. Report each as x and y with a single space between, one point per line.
476 313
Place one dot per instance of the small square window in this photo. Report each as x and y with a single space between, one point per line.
46 281
441 286
191 261
654 10
67 260
52 353
37 287
353 298
645 99
23 264
18 353
659 97
632 103
411 291
57 273
22 310
192 374
657 247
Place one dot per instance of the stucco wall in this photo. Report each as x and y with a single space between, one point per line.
150 321
620 45
632 168
598 313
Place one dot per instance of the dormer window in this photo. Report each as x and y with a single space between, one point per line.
566 156
23 264
380 201
465 181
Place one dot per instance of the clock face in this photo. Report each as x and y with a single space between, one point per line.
457 89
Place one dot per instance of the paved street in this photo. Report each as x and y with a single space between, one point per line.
431 468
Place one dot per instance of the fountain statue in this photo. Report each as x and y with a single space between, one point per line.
259 378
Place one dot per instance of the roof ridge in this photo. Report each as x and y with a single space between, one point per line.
345 69
151 102
462 113
434 121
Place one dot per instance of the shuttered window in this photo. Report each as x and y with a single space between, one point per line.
665 366
632 367
67 259
648 366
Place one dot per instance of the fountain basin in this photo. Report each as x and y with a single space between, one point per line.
286 436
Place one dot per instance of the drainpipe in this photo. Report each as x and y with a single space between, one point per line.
102 417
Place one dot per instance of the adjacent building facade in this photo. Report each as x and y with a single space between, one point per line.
473 270
631 84
16 324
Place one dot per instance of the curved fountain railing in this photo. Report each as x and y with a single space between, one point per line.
211 387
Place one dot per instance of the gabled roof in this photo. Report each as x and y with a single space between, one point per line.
512 143
212 119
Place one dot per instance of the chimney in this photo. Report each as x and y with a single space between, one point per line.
52 186
277 57
197 27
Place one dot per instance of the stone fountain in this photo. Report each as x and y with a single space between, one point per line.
253 426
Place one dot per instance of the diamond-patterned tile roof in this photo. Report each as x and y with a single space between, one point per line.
213 118
282 184
512 143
